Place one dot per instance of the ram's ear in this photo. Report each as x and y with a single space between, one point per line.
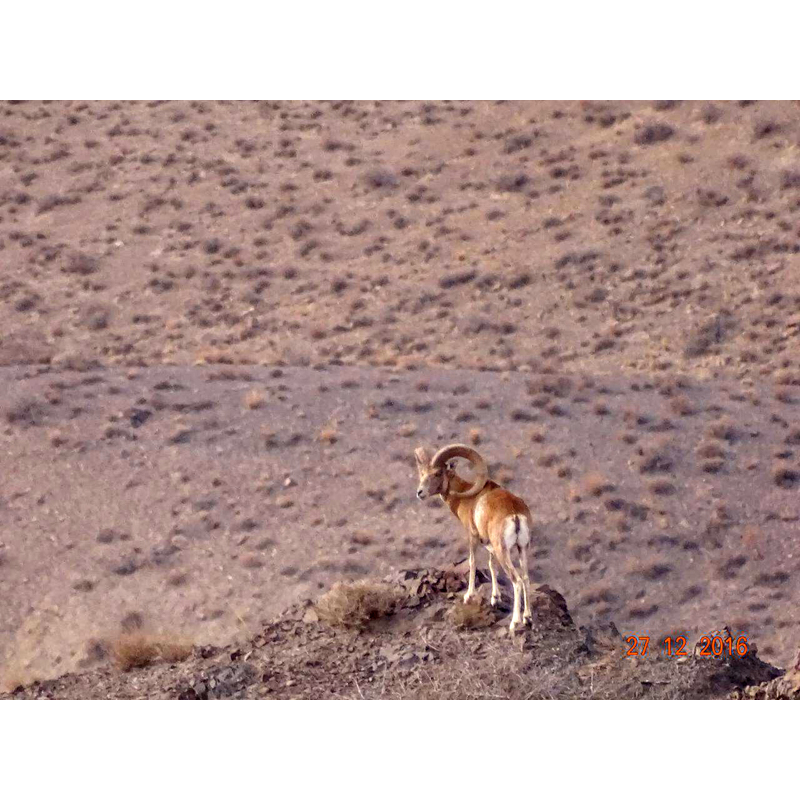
422 457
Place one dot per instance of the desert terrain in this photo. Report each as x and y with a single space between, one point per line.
225 326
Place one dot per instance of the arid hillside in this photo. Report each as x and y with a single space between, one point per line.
224 327
409 637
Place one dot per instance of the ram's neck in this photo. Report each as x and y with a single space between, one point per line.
456 484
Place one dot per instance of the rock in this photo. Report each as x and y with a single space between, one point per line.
784 687
549 606
310 616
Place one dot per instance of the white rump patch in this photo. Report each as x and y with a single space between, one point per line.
516 532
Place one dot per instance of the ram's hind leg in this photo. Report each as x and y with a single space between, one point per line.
526 584
516 580
493 573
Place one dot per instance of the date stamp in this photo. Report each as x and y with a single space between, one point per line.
675 646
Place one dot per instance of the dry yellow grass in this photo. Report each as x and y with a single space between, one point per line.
254 399
353 605
409 429
329 434
16 678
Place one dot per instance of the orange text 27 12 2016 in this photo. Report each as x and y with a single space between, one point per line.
675 646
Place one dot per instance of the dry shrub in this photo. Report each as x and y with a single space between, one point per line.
653 133
140 649
475 436
597 484
254 399
538 435
680 405
753 541
472 615
27 412
706 335
657 455
723 429
354 605
548 459
710 450
409 429
329 434
785 477
661 486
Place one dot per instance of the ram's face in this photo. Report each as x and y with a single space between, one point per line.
432 480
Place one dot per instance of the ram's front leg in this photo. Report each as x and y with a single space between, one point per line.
471 586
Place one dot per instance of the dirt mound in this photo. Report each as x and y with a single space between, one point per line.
413 649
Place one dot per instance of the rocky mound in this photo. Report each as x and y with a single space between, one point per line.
410 636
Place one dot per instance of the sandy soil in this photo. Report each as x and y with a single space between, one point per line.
225 326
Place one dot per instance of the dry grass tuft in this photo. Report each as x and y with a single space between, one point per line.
140 649
354 605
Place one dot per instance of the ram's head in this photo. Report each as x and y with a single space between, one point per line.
436 473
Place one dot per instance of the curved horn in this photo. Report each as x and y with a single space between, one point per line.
463 451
